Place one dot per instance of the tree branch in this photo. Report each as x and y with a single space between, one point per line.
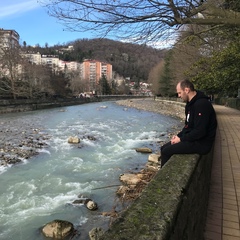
139 19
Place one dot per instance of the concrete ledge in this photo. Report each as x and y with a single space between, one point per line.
172 206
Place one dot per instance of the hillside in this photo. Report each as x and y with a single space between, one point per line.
128 59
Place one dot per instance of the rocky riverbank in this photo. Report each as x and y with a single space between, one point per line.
20 140
157 106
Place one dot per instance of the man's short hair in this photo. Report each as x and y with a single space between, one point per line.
186 84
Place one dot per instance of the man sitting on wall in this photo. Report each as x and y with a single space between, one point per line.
198 134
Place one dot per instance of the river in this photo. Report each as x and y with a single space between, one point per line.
42 188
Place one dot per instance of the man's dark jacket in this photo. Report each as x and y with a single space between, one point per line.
200 122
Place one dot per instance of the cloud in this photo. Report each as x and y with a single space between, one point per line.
160 44
168 43
9 9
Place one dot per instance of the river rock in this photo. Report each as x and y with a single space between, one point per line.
122 190
58 229
131 178
96 233
91 138
79 201
112 214
154 167
91 205
154 158
144 150
73 140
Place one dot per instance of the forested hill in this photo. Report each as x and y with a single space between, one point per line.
128 59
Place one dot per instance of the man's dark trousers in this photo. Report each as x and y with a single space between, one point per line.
168 149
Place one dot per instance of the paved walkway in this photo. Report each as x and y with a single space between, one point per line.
223 217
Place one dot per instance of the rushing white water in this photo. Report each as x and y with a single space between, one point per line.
43 188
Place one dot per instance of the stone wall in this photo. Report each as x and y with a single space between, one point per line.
21 105
173 205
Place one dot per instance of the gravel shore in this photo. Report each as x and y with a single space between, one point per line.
173 109
20 139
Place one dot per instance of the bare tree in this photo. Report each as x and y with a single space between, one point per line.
76 83
154 77
122 88
10 71
141 20
35 80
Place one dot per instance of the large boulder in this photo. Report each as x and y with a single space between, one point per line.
58 229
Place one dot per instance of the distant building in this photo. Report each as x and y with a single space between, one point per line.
92 71
66 49
70 66
35 58
51 61
8 38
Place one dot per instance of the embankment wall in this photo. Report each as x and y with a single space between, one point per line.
172 206
22 105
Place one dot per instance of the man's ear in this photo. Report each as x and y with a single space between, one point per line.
187 90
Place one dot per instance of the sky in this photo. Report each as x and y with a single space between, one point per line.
33 24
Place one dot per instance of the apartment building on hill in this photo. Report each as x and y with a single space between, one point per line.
93 71
35 58
70 66
8 38
52 61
